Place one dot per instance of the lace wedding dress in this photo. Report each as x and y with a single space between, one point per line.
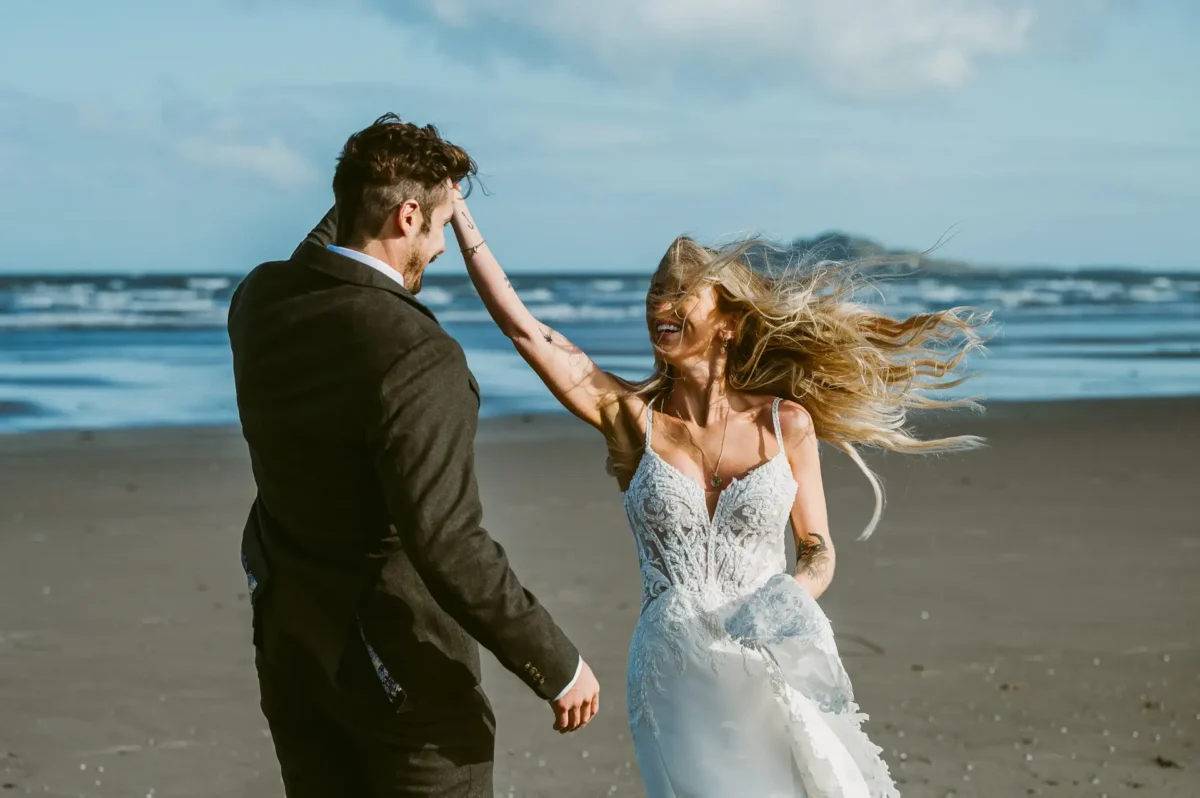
735 686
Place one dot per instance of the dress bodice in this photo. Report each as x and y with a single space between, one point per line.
679 546
734 685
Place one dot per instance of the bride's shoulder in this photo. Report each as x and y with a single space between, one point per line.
795 423
793 411
630 400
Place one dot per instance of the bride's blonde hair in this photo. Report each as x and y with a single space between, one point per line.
802 332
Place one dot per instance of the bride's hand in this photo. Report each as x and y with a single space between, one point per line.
779 610
464 225
460 202
469 237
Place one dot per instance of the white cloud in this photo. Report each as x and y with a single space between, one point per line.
211 137
854 46
272 160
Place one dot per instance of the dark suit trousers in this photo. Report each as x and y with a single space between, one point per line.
347 741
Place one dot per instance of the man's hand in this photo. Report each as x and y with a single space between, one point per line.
574 710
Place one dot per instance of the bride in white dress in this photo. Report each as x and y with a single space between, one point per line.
735 687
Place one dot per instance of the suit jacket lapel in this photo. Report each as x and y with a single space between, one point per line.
326 261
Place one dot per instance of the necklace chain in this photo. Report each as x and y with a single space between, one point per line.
715 480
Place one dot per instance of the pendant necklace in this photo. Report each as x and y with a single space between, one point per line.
715 480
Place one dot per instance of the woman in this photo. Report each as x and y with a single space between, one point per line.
735 687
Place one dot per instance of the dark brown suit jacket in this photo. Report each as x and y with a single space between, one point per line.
360 415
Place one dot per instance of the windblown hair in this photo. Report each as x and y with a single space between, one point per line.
803 333
386 164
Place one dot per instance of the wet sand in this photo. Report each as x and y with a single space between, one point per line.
1025 622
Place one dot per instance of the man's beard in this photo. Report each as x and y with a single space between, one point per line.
414 271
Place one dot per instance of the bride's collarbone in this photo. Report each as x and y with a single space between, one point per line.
745 450
691 450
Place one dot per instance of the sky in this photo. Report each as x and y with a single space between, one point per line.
201 135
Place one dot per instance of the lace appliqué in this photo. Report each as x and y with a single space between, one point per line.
791 631
776 613
658 643
679 546
714 593
710 561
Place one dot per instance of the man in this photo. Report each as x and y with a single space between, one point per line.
368 568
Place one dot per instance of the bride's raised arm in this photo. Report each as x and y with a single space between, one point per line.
577 382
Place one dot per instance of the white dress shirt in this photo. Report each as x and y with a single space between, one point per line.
380 266
368 260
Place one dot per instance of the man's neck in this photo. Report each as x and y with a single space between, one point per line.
371 256
379 251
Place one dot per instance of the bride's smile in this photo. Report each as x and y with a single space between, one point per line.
684 325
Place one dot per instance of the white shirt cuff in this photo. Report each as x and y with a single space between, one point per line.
570 684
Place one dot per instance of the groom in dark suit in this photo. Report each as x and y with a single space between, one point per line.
370 575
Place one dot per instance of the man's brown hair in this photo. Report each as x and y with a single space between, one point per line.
386 164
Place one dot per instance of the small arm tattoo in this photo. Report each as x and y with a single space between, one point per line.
812 556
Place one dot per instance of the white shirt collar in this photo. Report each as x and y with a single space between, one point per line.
368 260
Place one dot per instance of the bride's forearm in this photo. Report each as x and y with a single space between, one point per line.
574 379
497 293
815 562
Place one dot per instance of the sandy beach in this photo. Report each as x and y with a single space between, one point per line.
1026 621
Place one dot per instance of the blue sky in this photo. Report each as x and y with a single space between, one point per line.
201 134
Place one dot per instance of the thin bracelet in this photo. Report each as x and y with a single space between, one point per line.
472 250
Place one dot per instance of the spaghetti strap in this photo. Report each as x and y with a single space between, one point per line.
775 422
649 422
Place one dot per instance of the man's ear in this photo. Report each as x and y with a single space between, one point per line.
409 217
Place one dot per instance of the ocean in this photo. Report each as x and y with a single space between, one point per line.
86 352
